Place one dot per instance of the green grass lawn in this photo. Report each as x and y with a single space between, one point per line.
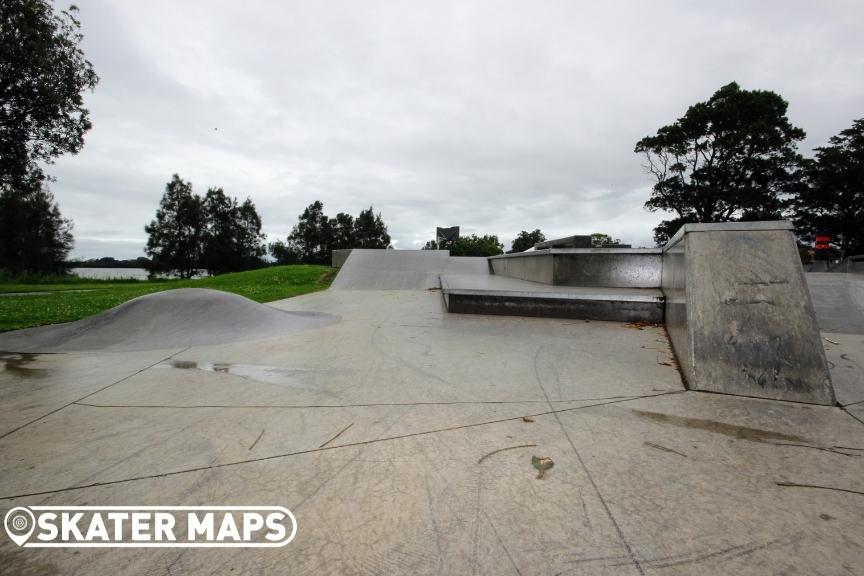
64 299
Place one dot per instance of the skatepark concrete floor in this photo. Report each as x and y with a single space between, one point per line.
401 438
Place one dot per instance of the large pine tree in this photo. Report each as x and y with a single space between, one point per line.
43 74
730 158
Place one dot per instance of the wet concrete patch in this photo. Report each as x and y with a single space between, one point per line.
731 430
24 365
256 372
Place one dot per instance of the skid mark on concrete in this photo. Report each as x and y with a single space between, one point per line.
731 430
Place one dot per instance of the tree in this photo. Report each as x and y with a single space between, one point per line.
219 252
250 239
285 252
664 231
342 233
370 230
730 158
232 238
34 237
473 245
176 235
311 235
600 240
43 74
526 240
315 236
831 199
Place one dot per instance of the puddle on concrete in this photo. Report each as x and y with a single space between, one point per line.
21 364
281 375
742 432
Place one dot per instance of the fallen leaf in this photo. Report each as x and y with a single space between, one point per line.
542 463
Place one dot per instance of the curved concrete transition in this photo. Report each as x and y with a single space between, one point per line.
182 317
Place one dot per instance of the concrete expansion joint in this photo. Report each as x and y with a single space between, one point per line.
333 447
43 416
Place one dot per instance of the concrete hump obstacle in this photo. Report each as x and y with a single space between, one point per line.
739 313
169 319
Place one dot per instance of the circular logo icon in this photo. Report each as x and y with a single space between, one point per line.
19 523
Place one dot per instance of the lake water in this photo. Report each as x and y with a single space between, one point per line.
138 273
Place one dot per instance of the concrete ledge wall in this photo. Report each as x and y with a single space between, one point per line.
534 266
589 267
739 313
612 310
608 267
339 256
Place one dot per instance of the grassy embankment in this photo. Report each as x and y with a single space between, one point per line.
26 302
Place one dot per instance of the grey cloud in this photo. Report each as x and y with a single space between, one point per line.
497 116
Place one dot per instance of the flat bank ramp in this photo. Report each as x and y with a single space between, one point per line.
838 300
169 319
403 269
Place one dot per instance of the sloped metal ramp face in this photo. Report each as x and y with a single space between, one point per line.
401 269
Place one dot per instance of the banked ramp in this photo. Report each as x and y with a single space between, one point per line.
403 269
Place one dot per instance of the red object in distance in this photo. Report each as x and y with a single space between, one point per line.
822 242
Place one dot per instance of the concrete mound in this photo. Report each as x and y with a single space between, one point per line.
169 319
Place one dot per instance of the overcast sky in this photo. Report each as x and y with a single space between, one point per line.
496 116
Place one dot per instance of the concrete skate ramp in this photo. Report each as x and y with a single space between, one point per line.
402 269
170 319
838 300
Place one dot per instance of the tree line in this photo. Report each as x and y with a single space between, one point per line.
488 244
215 232
315 236
473 245
218 233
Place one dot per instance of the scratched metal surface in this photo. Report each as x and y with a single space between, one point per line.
750 324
